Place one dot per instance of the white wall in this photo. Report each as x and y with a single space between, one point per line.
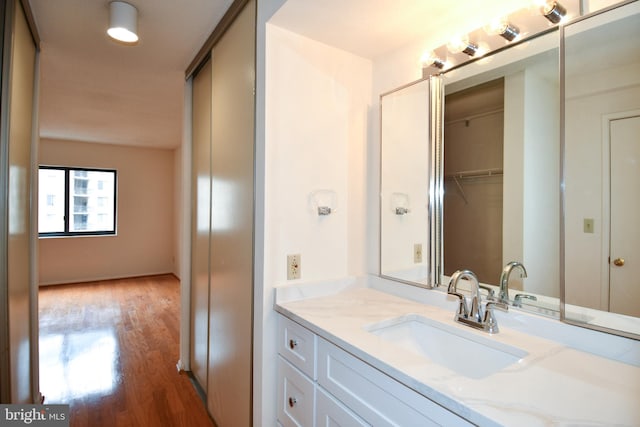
541 207
316 114
145 240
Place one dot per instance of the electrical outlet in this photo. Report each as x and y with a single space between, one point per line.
417 253
293 267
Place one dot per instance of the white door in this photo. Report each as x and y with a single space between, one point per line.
624 253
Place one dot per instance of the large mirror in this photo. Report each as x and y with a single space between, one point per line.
602 170
501 170
406 177
501 173
541 166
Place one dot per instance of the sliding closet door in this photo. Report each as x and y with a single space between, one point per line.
200 222
232 206
19 56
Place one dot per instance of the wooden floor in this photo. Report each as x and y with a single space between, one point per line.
109 349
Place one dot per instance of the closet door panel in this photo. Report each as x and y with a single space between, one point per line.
231 293
200 222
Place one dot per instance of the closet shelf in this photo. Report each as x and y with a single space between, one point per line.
473 174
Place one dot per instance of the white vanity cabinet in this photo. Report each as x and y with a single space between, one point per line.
319 384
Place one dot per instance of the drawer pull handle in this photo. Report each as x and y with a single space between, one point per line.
292 401
293 344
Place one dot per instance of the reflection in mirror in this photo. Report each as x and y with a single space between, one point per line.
602 170
405 178
501 170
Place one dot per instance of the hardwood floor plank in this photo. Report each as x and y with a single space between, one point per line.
109 350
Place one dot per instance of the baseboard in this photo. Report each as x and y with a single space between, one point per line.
102 279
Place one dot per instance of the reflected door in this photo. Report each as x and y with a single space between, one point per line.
624 254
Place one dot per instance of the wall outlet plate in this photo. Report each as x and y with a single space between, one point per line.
417 253
293 267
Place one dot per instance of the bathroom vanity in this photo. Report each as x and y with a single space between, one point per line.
365 352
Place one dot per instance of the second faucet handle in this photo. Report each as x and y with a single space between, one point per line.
490 322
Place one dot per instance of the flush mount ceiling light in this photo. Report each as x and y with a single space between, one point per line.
502 28
554 11
123 22
462 44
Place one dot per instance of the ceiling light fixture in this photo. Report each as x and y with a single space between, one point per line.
123 22
554 11
462 44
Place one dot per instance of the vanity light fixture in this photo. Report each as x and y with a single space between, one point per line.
502 28
123 22
462 44
554 11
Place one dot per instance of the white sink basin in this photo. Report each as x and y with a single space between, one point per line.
465 352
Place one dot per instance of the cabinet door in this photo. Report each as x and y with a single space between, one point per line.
331 413
296 396
377 398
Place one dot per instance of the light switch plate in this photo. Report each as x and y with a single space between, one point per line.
588 225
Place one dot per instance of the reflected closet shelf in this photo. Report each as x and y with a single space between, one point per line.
472 174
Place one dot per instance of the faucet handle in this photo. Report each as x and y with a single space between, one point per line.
490 322
517 301
463 310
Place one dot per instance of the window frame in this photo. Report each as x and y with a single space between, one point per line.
67 197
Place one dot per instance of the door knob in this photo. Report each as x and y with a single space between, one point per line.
618 262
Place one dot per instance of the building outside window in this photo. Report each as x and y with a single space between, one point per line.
74 201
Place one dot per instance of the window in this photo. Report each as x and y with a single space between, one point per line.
74 201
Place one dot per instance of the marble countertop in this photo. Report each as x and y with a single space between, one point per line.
555 384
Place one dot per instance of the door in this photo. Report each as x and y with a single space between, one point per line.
624 251
232 206
18 324
200 222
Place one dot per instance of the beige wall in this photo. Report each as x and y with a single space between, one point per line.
145 240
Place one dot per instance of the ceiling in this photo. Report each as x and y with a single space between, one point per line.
370 28
95 90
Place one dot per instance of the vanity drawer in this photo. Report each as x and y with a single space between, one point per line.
298 345
377 398
296 396
331 413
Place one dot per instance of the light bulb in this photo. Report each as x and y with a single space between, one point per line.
462 45
429 59
501 27
553 11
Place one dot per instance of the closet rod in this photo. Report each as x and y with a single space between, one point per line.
474 116
480 173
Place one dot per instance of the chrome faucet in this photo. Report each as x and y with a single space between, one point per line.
474 317
503 296
463 310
